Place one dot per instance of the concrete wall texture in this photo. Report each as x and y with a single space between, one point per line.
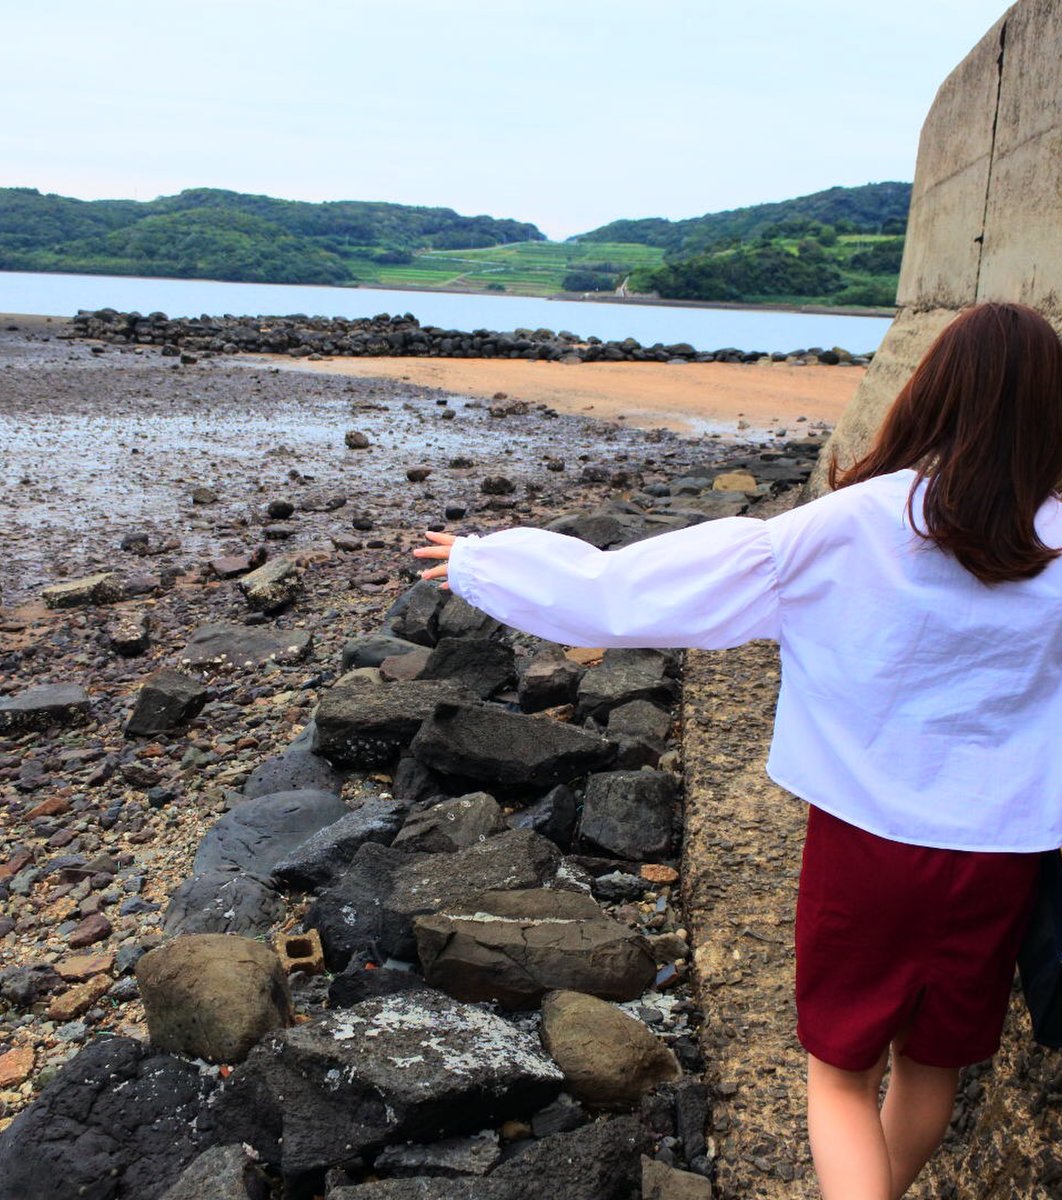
986 211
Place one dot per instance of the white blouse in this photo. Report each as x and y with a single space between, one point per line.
916 702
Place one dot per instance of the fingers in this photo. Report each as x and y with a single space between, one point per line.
434 573
443 539
440 550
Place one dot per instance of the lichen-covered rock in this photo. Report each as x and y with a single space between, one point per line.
39 707
273 586
363 725
223 645
415 1065
212 996
104 588
608 1058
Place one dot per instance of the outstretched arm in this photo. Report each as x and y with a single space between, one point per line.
712 585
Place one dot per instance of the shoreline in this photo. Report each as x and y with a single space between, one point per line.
574 297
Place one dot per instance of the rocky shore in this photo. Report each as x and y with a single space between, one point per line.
316 881
387 336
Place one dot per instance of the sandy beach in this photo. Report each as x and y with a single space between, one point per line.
746 400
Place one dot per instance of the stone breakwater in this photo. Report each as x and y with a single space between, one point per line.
308 860
386 336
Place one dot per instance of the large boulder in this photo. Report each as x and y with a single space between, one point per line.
458 618
166 700
491 744
118 1119
220 901
630 814
364 724
212 995
609 1059
411 1066
256 834
515 946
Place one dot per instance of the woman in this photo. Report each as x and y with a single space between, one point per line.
918 607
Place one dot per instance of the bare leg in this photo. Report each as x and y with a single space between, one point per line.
915 1116
847 1140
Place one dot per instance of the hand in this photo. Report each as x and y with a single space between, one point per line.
440 549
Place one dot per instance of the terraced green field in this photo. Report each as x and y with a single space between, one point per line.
523 268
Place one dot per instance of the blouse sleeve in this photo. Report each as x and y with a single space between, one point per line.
710 586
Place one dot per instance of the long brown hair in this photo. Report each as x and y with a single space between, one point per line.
981 421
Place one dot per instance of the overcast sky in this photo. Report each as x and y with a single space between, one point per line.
567 113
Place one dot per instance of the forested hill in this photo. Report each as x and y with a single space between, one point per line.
207 233
874 208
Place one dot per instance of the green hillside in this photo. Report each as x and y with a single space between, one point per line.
841 246
204 233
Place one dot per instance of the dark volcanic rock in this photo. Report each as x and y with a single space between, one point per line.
256 834
452 825
480 664
328 852
292 771
356 982
515 946
222 902
221 1173
242 645
549 679
615 683
639 729
352 914
326 1091
165 700
414 616
117 1120
490 744
553 816
451 1157
371 649
598 1162
372 905
39 707
364 724
630 813
461 619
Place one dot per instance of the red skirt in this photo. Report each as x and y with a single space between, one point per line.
905 943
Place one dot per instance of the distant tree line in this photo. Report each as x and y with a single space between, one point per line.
209 233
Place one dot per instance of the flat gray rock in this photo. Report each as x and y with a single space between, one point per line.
451 825
223 902
220 1173
256 834
291 771
245 646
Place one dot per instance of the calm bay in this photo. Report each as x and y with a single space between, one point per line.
765 330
